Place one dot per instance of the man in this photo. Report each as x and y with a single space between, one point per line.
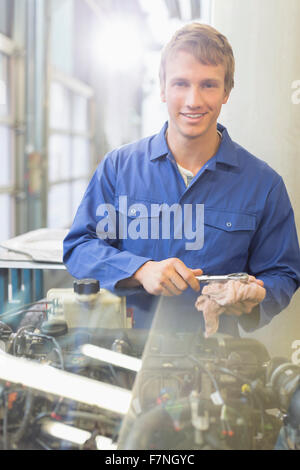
248 220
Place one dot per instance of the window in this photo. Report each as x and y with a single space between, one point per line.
5 211
69 147
6 155
6 136
6 17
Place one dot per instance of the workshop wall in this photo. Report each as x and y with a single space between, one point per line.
263 113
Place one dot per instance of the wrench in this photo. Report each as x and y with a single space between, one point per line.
224 277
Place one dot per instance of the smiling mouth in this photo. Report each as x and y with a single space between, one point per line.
193 115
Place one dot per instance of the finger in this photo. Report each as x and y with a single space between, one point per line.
258 281
197 272
160 290
178 281
168 285
165 292
188 275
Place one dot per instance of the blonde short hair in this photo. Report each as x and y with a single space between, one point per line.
206 44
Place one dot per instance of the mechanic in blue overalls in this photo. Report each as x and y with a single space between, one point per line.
117 234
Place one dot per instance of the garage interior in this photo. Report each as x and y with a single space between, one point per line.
79 78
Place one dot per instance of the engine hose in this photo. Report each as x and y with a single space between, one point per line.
137 432
17 436
249 344
136 338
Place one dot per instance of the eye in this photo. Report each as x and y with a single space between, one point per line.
180 84
209 85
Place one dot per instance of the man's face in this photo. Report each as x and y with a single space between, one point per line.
194 94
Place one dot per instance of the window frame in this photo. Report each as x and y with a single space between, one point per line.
75 87
8 48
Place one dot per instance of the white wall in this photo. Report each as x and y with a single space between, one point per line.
261 115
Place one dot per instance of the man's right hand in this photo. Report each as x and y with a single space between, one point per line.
168 277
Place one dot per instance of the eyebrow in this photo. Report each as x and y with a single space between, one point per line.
204 80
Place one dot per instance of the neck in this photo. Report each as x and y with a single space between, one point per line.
193 153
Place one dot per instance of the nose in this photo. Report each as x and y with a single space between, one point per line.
194 98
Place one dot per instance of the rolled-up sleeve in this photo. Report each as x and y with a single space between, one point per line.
274 257
86 252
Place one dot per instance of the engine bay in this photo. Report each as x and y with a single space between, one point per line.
156 390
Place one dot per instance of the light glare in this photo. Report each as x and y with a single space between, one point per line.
47 379
117 45
111 357
65 432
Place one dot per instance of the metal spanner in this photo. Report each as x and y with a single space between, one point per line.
224 277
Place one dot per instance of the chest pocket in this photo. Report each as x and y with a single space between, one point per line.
138 225
227 236
229 221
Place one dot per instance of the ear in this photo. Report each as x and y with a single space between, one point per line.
226 97
162 93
